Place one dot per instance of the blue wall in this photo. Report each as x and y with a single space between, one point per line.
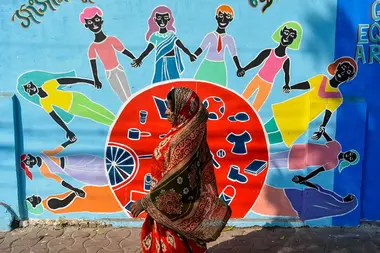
60 44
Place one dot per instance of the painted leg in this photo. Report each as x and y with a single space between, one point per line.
273 201
262 95
119 83
252 86
84 107
55 203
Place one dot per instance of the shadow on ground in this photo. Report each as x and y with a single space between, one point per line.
292 240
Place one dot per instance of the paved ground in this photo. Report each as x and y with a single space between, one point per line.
256 240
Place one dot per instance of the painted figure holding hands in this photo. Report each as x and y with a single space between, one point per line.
288 35
105 48
161 35
213 67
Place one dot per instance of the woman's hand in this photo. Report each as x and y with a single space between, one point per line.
240 72
97 83
317 135
193 58
286 88
136 63
71 136
80 193
137 208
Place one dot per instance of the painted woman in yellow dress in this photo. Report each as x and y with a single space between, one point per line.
292 117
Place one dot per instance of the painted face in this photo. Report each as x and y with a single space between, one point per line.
288 35
170 112
349 156
223 19
30 88
349 198
30 161
162 19
94 24
34 200
344 71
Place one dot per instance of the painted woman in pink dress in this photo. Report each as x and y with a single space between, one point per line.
327 156
289 35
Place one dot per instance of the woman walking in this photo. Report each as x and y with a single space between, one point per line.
183 207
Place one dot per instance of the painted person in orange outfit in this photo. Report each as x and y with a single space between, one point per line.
289 35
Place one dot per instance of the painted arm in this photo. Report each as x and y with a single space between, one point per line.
94 69
259 59
198 52
73 80
69 135
301 86
185 50
300 179
204 44
327 137
237 63
322 127
58 149
137 62
286 69
77 191
128 53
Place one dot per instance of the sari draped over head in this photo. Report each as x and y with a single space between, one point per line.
184 194
39 78
169 67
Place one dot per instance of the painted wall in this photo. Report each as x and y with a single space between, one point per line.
80 130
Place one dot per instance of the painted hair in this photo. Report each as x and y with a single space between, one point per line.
332 67
89 13
290 25
25 168
224 8
153 27
344 164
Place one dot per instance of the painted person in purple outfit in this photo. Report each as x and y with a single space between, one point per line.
213 67
88 169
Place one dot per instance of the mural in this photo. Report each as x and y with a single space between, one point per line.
161 36
104 47
272 127
213 67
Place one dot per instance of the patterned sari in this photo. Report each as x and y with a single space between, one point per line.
183 207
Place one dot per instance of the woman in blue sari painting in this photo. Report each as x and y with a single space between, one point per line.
161 35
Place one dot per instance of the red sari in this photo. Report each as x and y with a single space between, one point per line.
183 207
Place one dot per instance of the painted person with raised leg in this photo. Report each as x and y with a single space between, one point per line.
289 35
294 115
161 35
105 48
213 67
47 90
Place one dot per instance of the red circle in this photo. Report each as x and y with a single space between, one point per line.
217 132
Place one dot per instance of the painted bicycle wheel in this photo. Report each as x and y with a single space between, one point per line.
121 163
